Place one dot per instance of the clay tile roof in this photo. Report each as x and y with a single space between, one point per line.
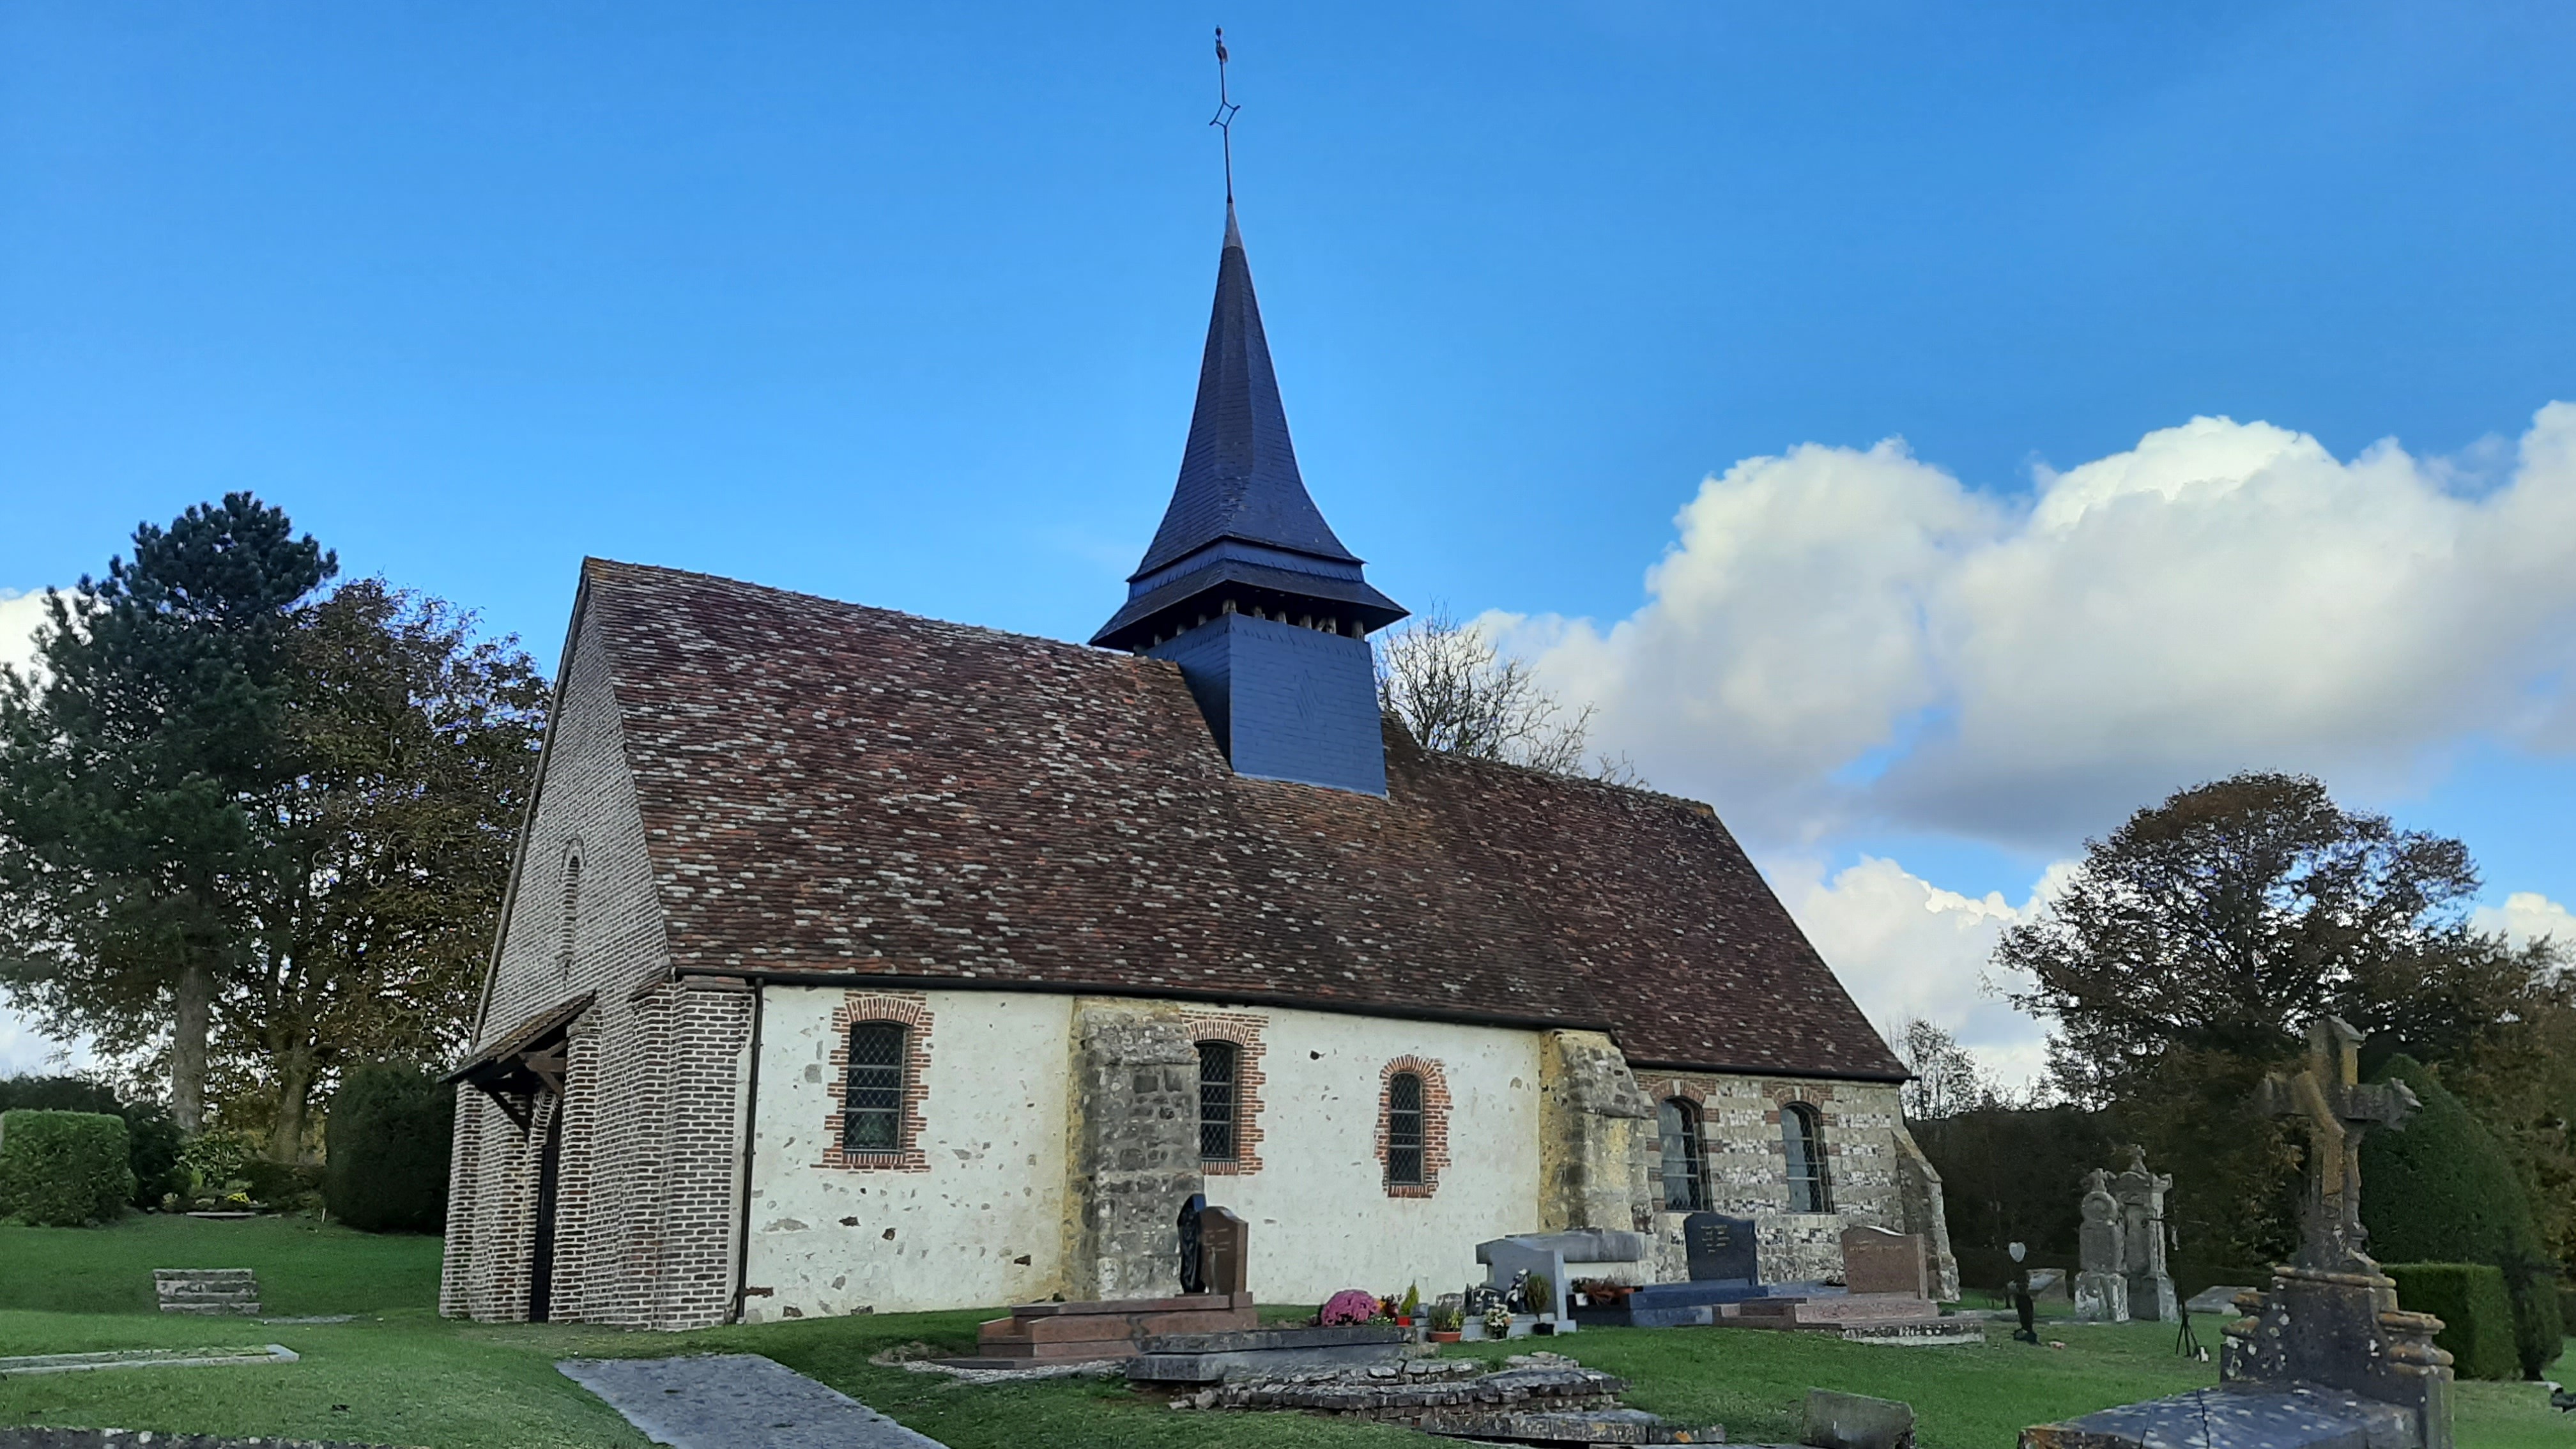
841 790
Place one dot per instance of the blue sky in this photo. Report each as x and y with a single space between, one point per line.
903 305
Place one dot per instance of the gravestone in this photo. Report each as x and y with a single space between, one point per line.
1719 1248
2328 1358
1881 1260
2142 1234
1225 1253
2101 1279
206 1290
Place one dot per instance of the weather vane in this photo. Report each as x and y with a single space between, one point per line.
1224 118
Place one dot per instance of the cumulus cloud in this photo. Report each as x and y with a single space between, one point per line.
2526 916
1905 948
1842 635
20 613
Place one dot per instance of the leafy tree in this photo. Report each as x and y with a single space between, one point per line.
415 749
2192 946
132 769
1455 693
1947 1079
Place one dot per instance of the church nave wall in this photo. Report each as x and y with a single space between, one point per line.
969 1209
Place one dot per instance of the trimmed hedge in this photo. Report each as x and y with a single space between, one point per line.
2443 1191
152 1138
2476 1314
386 1147
63 1169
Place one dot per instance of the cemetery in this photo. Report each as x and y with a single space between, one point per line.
1265 1019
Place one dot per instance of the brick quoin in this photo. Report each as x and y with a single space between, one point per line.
1244 1030
1435 1123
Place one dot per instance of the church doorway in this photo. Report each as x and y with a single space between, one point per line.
541 1262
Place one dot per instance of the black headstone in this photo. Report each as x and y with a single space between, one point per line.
1719 1247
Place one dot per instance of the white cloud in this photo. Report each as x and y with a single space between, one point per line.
1840 635
20 613
1906 948
2526 916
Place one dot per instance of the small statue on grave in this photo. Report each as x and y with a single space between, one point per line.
1193 1254
1516 1297
2142 1239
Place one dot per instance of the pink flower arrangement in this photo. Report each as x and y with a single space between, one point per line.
1351 1305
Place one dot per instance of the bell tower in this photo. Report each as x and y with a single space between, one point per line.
1246 588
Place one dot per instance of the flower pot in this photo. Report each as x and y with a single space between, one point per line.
1450 1335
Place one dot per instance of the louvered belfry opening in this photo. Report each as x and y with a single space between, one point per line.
872 1095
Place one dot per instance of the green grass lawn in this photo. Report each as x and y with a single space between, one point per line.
400 1375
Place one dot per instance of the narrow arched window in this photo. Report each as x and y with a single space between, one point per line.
1802 1135
568 913
1217 1136
872 1096
1404 1129
1685 1170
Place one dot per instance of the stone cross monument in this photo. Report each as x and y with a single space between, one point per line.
2101 1279
2142 1234
2331 1316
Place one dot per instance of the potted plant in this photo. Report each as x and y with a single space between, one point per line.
1406 1311
1448 1325
1498 1323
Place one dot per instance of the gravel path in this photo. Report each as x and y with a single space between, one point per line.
736 1401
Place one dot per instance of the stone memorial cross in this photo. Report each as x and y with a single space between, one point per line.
2336 1109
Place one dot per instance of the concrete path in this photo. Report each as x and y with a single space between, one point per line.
736 1401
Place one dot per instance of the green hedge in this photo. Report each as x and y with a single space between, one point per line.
2476 1314
386 1150
63 1169
152 1138
2443 1191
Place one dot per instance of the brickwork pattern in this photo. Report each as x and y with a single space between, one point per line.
649 1173
1435 1123
913 1010
1244 1030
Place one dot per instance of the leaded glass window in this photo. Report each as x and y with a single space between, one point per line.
1404 1129
1217 1062
1803 1137
872 1097
1685 1171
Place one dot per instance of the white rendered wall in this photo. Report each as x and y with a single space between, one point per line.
951 1236
1321 1219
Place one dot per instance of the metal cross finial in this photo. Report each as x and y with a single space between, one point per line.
1224 118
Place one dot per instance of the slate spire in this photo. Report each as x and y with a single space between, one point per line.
1245 586
1240 508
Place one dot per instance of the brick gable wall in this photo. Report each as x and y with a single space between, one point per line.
649 1172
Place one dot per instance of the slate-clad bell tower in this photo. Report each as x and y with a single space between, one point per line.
1245 586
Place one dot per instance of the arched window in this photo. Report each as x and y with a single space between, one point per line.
1404 1130
569 912
1802 1134
1685 1172
872 1096
1218 1140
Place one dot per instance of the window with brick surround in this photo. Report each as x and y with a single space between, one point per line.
1802 1135
1412 1126
1404 1130
1218 1139
872 1096
880 1041
1685 1168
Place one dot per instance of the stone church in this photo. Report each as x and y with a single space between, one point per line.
854 960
